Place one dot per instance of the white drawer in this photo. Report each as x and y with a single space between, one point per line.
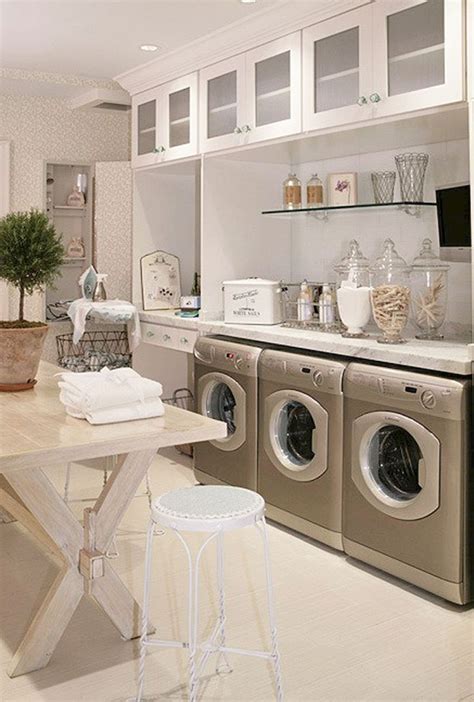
169 337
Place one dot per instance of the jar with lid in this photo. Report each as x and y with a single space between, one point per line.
353 293
429 292
292 192
314 191
390 293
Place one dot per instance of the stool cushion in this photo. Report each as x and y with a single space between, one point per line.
208 508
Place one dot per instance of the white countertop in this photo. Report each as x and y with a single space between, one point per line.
446 356
169 319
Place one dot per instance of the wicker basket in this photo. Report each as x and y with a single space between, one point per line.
183 398
95 350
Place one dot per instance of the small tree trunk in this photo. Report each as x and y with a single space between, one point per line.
22 303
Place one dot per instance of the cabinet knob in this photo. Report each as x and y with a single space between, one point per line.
184 340
159 149
166 337
150 333
246 128
375 97
237 130
362 101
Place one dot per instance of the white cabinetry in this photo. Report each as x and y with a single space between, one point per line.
252 97
164 122
384 59
337 70
418 55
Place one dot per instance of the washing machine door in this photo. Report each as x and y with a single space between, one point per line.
396 464
296 434
223 398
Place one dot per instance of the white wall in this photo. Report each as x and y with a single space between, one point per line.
45 129
317 245
4 208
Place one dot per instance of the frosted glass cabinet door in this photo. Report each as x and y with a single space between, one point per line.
418 55
337 70
222 104
273 89
178 112
144 127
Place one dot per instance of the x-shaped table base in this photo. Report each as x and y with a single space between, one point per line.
32 499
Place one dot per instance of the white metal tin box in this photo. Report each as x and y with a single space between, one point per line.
252 301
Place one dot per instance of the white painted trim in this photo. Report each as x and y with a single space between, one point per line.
258 29
4 209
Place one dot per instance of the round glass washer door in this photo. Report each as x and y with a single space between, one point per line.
223 398
395 464
295 434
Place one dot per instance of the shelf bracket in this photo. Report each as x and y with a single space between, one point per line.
411 210
322 216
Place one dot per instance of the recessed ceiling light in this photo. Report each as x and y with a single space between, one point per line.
248 2
149 47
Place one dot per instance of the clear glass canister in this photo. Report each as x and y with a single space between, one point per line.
353 293
314 191
390 278
429 292
292 192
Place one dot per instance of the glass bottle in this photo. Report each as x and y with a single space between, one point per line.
314 191
292 192
390 294
353 291
429 292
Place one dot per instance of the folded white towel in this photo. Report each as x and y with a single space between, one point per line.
122 413
90 392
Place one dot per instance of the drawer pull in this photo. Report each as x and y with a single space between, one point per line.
184 340
166 337
150 333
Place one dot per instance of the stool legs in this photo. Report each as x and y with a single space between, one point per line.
145 610
222 664
262 527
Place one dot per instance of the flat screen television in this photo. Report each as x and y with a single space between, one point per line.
453 204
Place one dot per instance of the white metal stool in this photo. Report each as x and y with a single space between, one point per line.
215 509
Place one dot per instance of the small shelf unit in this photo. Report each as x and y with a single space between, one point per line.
410 208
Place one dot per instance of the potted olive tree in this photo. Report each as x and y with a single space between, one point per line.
31 254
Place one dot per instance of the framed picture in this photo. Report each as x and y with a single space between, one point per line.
161 281
342 189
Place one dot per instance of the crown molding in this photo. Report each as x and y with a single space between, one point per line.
269 24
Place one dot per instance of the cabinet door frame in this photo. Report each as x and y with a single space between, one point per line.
361 18
291 43
451 91
184 150
226 141
149 159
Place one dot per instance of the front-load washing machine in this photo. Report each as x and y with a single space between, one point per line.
300 442
225 373
408 487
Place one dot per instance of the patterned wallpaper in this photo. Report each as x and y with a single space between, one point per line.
45 129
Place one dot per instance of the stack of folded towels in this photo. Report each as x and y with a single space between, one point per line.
110 396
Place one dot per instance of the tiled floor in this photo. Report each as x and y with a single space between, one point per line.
346 631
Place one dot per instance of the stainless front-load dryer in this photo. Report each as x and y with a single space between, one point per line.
225 373
300 442
408 487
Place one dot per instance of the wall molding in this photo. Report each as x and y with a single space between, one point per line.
233 39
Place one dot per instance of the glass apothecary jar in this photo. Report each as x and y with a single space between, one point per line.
429 287
292 192
353 291
390 293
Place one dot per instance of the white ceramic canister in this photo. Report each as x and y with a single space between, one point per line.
252 301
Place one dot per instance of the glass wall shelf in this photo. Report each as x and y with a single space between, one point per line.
410 208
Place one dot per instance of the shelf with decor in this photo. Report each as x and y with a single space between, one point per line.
410 208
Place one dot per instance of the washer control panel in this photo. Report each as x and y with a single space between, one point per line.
438 396
305 372
227 356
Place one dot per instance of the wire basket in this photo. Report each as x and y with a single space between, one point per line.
411 171
95 350
184 399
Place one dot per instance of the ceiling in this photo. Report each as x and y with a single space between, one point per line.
101 38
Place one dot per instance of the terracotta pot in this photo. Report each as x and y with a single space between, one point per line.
20 354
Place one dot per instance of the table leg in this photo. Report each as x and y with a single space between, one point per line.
30 497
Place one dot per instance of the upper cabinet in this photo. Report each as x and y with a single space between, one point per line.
164 122
252 97
418 55
384 59
337 70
